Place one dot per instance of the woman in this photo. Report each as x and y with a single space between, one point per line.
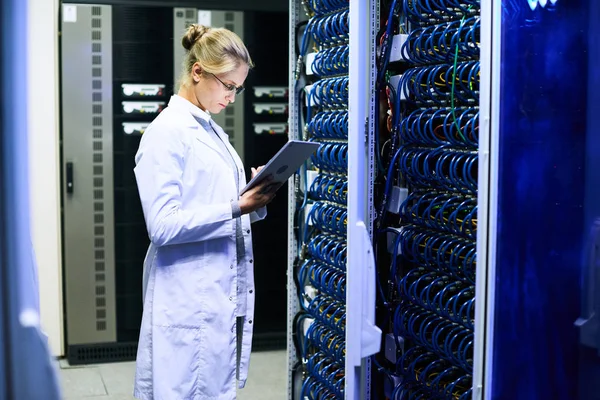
198 274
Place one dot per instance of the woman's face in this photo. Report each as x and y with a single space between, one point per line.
215 92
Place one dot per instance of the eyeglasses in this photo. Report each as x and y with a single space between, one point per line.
230 88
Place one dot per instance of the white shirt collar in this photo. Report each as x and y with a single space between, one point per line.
181 103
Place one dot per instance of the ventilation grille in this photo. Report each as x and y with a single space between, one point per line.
101 353
230 27
98 183
190 14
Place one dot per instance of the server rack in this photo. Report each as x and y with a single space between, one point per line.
364 206
345 335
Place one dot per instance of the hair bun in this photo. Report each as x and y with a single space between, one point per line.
193 34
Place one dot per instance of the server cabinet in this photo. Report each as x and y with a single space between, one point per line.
88 195
117 74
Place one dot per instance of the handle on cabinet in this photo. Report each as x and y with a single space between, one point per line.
69 178
370 334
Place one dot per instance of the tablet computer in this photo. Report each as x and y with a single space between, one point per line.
285 163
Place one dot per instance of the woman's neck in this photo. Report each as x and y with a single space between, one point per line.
188 93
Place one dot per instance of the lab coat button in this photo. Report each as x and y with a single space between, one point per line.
231 299
248 231
231 267
249 321
251 261
251 290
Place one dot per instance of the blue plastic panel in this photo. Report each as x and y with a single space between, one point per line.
548 199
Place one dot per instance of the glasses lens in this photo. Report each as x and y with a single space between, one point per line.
239 90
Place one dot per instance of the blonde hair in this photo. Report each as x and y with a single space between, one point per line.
216 50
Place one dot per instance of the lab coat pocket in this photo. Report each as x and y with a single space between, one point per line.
179 294
179 362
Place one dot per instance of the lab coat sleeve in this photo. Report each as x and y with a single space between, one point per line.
159 171
258 215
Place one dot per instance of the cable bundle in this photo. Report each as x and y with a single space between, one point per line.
429 12
441 380
328 280
442 211
435 126
436 43
438 251
441 295
440 168
331 30
440 85
332 61
329 125
322 337
332 157
321 266
329 312
329 250
448 340
326 379
329 218
330 188
320 7
330 93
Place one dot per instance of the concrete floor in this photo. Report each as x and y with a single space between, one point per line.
267 379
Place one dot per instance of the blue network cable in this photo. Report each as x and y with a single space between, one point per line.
322 215
433 152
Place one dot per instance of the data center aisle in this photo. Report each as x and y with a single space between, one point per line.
267 379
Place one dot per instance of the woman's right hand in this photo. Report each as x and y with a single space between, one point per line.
258 197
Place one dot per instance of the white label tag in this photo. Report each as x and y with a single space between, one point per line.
204 18
69 13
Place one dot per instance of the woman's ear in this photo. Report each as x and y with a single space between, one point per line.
196 72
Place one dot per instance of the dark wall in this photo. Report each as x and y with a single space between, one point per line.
266 36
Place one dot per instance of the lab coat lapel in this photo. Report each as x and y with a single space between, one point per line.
206 138
238 161
193 117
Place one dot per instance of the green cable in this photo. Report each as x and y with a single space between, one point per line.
454 80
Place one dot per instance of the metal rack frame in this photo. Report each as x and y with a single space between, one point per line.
363 337
487 198
293 123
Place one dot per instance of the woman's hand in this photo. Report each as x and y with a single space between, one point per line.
259 196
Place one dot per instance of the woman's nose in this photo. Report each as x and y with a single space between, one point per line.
231 97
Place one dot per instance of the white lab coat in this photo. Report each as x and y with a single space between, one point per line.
187 347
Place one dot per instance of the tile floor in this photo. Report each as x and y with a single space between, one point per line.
267 379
